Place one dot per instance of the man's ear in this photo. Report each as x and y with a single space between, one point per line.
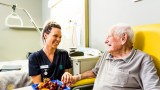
124 38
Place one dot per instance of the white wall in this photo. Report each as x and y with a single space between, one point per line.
70 15
45 11
62 13
104 13
16 43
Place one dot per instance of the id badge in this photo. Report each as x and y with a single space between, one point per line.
44 67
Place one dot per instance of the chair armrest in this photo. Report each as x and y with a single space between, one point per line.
84 82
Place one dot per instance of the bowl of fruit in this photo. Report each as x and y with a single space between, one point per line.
48 84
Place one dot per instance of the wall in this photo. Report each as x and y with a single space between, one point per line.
45 11
70 15
16 43
105 13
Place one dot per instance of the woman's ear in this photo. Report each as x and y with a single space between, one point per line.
45 36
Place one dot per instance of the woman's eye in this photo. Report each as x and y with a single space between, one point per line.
55 35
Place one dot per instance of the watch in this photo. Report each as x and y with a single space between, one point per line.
79 76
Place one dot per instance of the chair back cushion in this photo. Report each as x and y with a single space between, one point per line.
147 39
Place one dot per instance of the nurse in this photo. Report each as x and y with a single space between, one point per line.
50 62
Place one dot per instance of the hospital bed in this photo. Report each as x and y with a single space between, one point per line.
14 74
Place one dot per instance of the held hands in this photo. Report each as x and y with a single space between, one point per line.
76 78
68 79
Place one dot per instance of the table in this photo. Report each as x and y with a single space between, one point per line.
83 63
24 88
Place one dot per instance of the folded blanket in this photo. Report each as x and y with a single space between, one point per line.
14 79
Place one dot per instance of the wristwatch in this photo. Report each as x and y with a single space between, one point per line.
79 76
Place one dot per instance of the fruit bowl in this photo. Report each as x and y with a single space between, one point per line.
51 85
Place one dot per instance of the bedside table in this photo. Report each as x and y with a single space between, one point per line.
83 63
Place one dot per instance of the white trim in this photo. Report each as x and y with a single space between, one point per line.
52 3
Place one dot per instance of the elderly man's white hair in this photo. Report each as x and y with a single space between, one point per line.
121 28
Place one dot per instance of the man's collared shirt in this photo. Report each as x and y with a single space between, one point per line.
134 72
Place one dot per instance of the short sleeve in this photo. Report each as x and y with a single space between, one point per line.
149 75
98 64
34 68
68 61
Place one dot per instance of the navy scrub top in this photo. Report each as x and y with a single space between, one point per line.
40 64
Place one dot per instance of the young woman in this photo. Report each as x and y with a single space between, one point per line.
50 62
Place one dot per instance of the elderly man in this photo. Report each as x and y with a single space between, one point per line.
122 67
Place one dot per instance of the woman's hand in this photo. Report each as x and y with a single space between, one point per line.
67 78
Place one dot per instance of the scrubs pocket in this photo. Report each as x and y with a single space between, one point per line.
118 77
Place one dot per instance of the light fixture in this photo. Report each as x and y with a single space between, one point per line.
15 16
136 0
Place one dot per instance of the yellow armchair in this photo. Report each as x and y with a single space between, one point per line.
83 83
147 39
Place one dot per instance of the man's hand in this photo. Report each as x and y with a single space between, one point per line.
75 79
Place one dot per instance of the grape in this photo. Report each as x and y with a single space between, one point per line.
60 89
55 83
63 86
48 84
